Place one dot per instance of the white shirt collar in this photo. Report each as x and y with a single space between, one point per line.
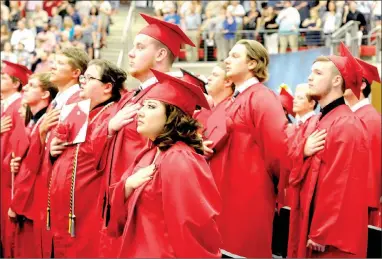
360 104
305 117
247 84
11 99
63 97
149 82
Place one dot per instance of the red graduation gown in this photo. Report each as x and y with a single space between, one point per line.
372 119
7 227
202 116
330 201
87 185
124 146
250 161
27 243
172 215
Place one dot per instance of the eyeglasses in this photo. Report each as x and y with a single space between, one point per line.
84 80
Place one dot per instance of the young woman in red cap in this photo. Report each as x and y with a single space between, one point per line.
13 78
38 93
165 204
329 213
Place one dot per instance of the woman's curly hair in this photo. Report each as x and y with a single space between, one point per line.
179 127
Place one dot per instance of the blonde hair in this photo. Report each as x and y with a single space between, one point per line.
256 51
78 58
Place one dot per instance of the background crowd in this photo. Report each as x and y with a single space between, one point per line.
33 31
280 25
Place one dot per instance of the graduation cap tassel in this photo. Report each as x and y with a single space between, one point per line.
72 225
48 218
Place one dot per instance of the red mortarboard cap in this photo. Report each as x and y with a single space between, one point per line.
191 78
216 129
349 68
19 71
369 72
169 34
287 101
177 92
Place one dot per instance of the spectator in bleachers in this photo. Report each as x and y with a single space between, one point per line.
269 23
83 8
4 14
207 31
104 14
238 13
24 36
39 17
30 7
31 26
289 22
332 19
7 53
68 28
313 24
47 38
14 16
89 36
352 14
55 19
49 5
62 9
250 21
192 22
74 15
44 64
23 56
229 30
366 8
5 35
56 32
303 8
172 16
65 42
78 40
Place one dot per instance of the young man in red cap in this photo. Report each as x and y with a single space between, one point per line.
156 46
329 175
13 78
166 204
255 148
372 119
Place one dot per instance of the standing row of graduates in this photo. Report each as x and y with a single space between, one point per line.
156 178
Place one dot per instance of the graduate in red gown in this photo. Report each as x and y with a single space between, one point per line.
38 93
74 180
70 63
372 118
253 165
165 205
156 46
329 175
13 78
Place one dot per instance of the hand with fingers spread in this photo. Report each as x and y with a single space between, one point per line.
206 147
315 246
50 120
140 177
57 147
6 124
123 117
15 164
315 143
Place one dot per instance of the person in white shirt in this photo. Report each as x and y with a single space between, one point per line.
39 17
289 21
238 12
303 105
24 36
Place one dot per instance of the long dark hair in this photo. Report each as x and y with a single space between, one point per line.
179 127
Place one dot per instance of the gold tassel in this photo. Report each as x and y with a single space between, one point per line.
47 218
73 226
70 223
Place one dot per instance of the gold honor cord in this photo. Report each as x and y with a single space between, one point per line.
72 217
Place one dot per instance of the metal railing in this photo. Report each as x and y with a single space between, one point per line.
125 33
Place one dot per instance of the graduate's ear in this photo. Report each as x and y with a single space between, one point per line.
161 54
108 88
252 64
76 73
45 95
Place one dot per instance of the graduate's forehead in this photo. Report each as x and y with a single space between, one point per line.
143 39
239 50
